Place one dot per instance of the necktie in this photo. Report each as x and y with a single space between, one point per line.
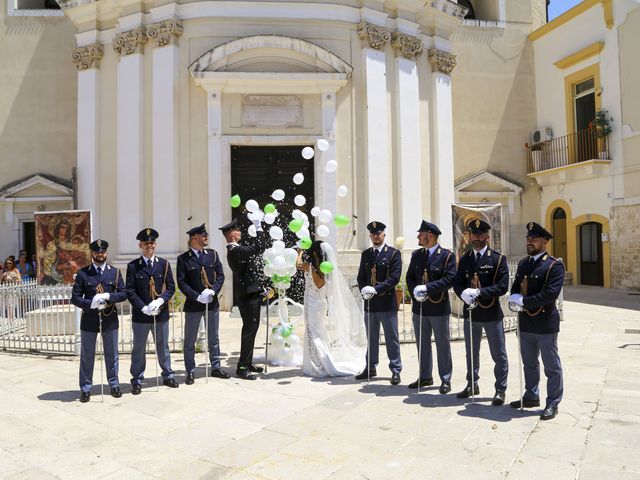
99 271
478 257
150 264
427 250
376 252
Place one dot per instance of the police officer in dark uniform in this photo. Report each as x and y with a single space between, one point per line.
536 287
98 285
431 271
150 286
200 278
378 275
482 278
246 263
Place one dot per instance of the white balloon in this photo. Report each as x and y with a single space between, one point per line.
325 215
268 270
252 231
323 231
269 218
308 153
315 211
331 166
322 144
298 178
259 215
290 255
298 214
278 194
303 233
275 232
343 191
278 244
299 200
252 205
279 262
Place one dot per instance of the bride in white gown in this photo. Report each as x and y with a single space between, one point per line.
335 338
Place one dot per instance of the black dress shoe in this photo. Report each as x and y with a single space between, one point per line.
548 413
423 383
525 404
136 388
190 379
395 378
255 368
363 375
115 392
245 374
219 373
466 393
445 388
84 397
170 382
498 399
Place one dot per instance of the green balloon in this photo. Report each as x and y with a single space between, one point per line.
287 330
235 201
269 208
341 220
326 267
295 225
305 243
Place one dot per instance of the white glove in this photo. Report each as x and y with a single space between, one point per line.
96 300
420 291
258 224
204 298
209 292
469 295
368 290
517 299
103 296
156 304
146 310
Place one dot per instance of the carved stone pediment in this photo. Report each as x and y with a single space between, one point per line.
166 32
131 41
442 61
88 56
375 35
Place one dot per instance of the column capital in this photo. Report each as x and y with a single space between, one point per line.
375 35
406 46
165 32
131 41
442 61
87 57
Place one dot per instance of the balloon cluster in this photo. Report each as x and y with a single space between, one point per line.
280 264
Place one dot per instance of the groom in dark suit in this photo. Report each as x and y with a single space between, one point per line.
246 264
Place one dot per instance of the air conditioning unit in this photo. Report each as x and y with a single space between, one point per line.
540 135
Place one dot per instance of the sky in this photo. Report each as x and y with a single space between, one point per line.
558 7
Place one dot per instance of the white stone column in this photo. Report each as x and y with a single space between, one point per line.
409 186
378 171
87 60
164 134
129 137
442 64
326 182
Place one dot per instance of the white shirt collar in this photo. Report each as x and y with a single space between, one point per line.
433 249
235 244
536 257
379 249
481 252
146 260
197 252
99 267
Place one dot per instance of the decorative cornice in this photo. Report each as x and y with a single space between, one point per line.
166 32
406 46
88 56
442 61
130 42
375 35
580 55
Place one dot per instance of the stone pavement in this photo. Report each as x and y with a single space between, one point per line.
292 427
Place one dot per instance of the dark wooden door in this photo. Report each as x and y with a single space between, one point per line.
591 271
256 171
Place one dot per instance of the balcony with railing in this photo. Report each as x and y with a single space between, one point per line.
575 148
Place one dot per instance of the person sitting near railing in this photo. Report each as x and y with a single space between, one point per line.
25 268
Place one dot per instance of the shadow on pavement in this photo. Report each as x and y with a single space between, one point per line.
64 396
606 297
503 413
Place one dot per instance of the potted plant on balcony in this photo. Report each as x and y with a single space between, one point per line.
602 126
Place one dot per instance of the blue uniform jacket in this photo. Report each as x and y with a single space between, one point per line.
441 270
139 288
84 289
388 268
191 272
544 280
493 274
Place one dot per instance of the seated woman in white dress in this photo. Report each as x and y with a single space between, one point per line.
335 338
